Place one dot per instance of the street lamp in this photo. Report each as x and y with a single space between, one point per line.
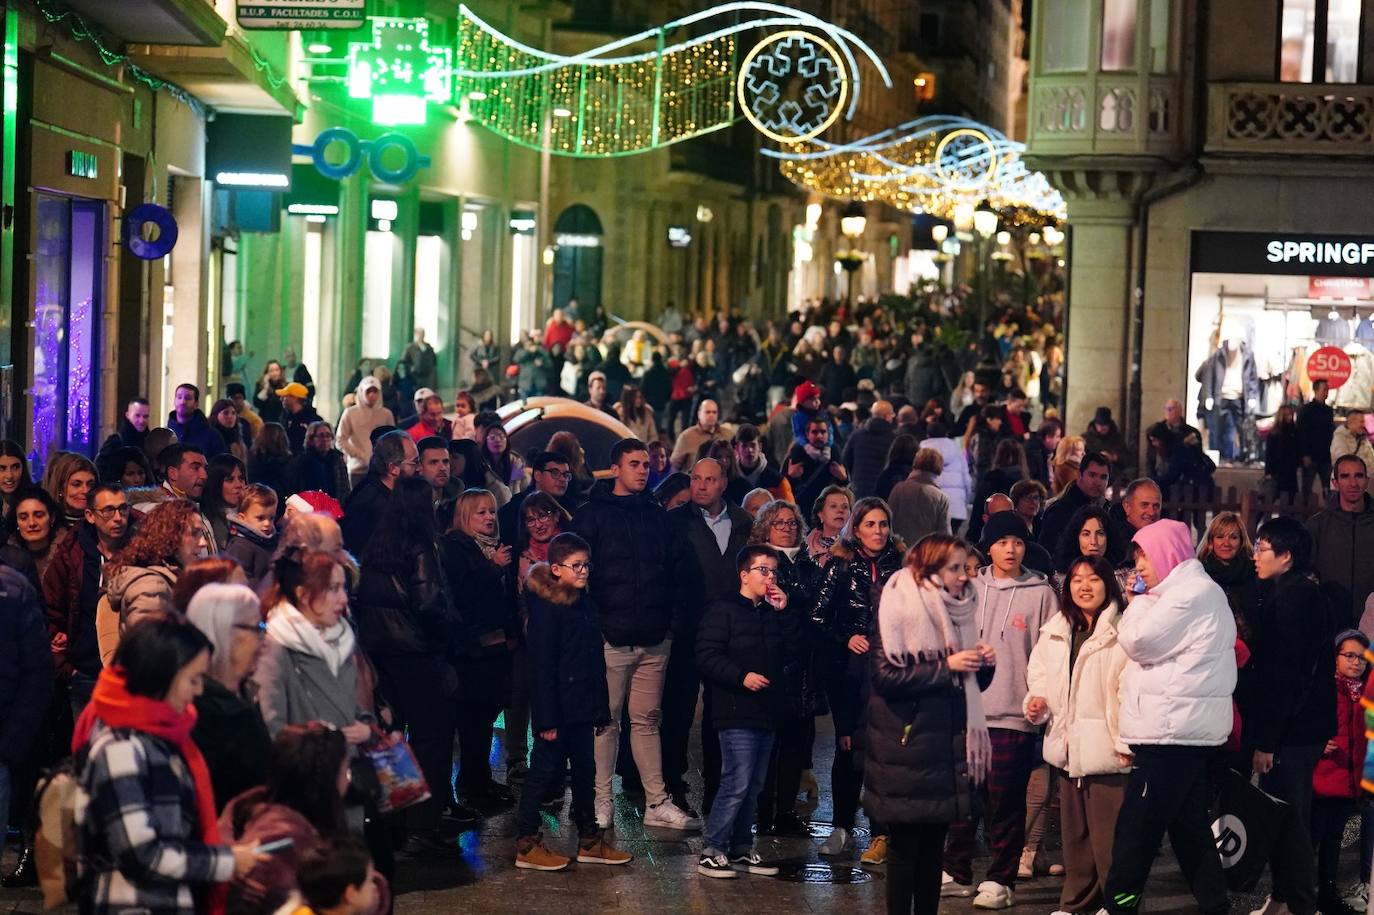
985 224
852 225
938 233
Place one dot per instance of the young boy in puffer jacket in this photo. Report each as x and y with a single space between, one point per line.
253 532
1013 603
569 703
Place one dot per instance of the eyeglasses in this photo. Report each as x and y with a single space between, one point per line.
559 474
540 516
110 511
786 525
577 567
765 571
1263 548
1352 656
260 626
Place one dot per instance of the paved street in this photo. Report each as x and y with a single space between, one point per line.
663 877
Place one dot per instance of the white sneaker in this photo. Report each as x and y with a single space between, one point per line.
668 815
950 888
1357 897
1271 907
605 813
994 895
839 842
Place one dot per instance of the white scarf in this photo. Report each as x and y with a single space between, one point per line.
289 628
922 621
817 454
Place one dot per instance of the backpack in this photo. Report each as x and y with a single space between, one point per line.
56 846
55 839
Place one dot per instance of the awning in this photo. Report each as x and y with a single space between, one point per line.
224 77
174 22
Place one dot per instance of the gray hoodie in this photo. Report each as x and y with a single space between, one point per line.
356 425
1010 614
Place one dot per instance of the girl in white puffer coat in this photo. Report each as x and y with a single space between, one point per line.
1073 684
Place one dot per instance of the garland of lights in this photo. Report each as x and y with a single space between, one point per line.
81 31
929 165
615 100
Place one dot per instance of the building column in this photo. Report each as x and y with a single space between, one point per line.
1101 253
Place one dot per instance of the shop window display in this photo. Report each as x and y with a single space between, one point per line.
1250 337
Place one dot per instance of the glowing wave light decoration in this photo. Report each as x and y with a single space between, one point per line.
930 165
664 85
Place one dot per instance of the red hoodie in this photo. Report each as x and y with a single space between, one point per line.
1338 772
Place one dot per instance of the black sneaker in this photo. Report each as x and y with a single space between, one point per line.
751 863
461 816
791 825
680 801
716 866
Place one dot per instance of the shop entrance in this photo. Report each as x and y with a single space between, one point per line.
68 301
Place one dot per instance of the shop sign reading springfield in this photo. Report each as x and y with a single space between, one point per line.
1283 254
302 14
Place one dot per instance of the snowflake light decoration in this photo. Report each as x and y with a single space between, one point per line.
792 86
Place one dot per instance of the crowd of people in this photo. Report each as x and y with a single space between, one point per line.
219 620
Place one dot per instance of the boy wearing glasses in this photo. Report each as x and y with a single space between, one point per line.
569 704
746 649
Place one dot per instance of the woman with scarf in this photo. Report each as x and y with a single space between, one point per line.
842 610
477 566
1227 555
504 468
1073 682
779 525
927 736
147 836
829 514
30 531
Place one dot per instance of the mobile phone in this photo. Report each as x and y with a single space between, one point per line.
1139 586
268 848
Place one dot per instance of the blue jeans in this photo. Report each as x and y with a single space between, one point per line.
744 756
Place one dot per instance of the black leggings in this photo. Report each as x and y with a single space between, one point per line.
791 748
914 859
475 723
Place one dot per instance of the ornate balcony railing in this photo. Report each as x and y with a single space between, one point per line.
1103 114
1290 119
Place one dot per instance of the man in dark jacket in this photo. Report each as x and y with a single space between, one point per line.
26 675
746 649
1343 542
133 427
1040 448
393 456
319 466
297 414
72 587
923 380
1089 489
754 469
1290 709
1316 425
637 588
189 423
550 474
865 454
814 466
715 531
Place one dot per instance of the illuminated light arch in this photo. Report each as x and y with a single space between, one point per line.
929 165
614 100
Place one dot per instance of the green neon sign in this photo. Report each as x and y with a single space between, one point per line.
399 71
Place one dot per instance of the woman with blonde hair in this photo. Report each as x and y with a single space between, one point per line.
477 565
1226 554
1064 464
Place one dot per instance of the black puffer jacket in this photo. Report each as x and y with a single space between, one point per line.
406 610
484 620
927 779
846 599
567 666
737 638
1288 700
637 565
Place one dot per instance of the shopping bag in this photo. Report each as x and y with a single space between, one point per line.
1247 825
400 783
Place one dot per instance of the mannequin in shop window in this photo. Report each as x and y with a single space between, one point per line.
1229 397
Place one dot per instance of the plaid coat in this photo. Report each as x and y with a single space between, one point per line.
138 829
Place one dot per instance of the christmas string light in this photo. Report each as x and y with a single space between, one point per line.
930 165
599 103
